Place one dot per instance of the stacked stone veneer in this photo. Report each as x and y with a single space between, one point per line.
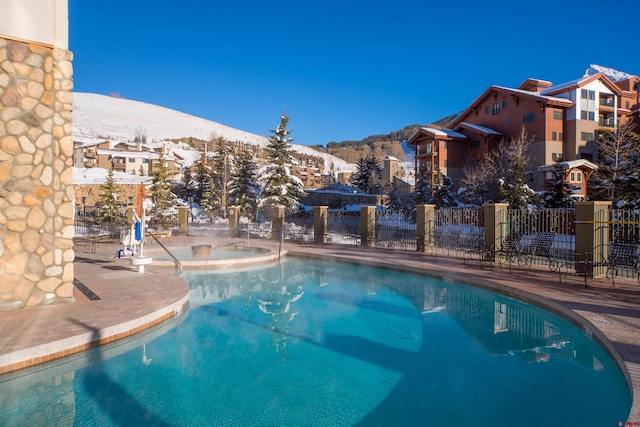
36 159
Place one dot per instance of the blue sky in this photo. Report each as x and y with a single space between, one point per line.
344 70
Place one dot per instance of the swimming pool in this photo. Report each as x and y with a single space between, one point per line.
312 342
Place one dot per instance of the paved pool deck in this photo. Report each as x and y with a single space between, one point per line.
118 301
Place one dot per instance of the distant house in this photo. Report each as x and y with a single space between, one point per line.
576 174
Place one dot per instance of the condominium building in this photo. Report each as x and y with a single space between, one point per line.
561 123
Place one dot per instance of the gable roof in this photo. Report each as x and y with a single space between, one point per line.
577 83
571 164
477 128
447 134
494 89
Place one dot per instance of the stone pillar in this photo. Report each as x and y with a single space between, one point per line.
277 222
368 226
425 221
233 213
37 202
320 224
592 236
183 220
495 227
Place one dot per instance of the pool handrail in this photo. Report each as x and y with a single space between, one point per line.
176 260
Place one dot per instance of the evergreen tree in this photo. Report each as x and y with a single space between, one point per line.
160 193
202 179
423 192
368 174
188 184
443 195
279 186
243 188
208 203
560 194
219 173
108 198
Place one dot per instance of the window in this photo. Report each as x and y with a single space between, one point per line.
549 176
554 136
573 177
496 108
556 157
504 104
529 117
557 115
576 176
560 136
132 159
626 105
586 136
587 94
509 120
475 145
487 109
145 161
587 115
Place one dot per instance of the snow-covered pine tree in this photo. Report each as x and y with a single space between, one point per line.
368 174
160 193
243 187
560 194
202 179
208 202
219 172
109 199
279 186
443 194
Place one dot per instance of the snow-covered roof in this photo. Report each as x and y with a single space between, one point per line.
614 75
479 128
571 164
441 133
540 95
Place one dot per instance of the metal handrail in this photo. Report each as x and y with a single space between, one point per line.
176 260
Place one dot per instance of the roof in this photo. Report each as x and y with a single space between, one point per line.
571 164
479 129
575 84
546 99
435 133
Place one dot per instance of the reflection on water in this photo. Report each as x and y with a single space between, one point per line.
321 343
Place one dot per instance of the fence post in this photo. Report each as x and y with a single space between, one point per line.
368 226
425 220
277 222
233 215
183 219
320 224
592 235
495 227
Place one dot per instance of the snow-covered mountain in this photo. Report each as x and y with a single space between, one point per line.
97 118
614 75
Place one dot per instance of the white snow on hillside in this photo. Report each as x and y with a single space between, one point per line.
614 75
97 118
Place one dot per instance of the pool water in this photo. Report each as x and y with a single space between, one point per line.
327 344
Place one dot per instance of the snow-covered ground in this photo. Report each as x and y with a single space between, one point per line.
97 118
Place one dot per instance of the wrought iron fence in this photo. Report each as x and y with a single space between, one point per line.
623 253
395 229
459 232
343 227
298 227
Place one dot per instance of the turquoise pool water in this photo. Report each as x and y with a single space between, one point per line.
327 344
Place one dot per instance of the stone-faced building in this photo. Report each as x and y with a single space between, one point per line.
36 155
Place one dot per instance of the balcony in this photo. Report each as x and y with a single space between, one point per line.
120 167
90 154
90 164
606 123
607 101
